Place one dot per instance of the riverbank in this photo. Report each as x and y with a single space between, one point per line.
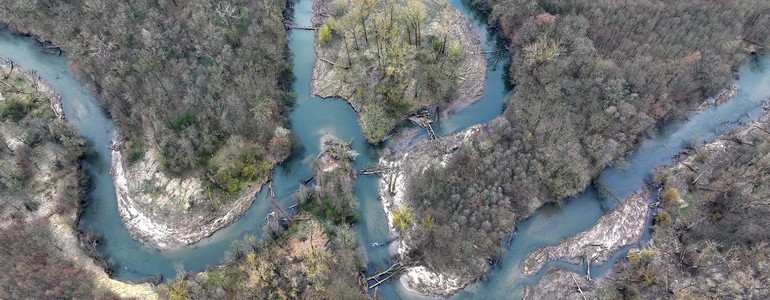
361 84
164 212
623 226
706 242
9 67
208 128
47 189
562 284
64 227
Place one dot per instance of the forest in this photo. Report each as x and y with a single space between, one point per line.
186 78
389 58
708 238
591 79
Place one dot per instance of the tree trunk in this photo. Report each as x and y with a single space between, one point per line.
347 50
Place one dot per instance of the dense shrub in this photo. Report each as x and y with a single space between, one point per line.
670 195
402 218
13 110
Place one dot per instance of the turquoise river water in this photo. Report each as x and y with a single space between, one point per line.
313 117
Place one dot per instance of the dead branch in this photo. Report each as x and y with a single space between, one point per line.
578 287
332 63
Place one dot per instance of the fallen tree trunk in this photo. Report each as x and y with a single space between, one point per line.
423 119
394 270
332 63
302 27
578 287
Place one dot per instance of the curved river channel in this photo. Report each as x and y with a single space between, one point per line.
314 117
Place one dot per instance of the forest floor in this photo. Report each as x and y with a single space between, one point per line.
13 136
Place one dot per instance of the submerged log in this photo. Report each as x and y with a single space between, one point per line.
272 199
375 169
394 270
376 284
602 188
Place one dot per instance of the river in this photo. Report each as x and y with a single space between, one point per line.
313 117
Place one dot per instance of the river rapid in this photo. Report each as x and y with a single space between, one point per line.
312 118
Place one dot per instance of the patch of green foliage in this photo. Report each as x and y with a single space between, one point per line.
13 110
402 218
325 34
183 121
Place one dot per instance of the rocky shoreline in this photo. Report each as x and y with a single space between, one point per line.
619 228
562 284
723 97
177 225
726 95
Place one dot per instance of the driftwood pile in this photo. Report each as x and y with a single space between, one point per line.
423 119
